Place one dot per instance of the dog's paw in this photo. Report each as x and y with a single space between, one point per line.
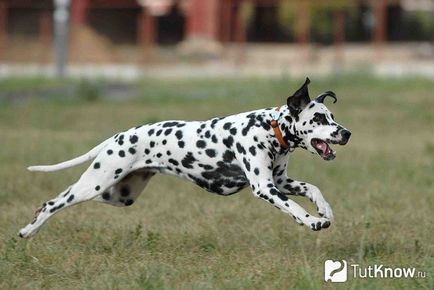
317 224
27 231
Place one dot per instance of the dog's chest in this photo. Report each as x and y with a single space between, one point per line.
221 177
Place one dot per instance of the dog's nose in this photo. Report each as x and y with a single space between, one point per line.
345 136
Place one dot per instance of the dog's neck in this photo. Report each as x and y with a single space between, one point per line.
289 131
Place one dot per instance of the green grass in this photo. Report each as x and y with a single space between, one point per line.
177 236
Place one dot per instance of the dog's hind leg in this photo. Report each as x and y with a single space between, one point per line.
126 192
100 176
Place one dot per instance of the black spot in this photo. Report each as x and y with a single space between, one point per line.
274 191
97 187
240 149
213 122
125 191
181 144
109 152
214 139
265 126
210 152
207 134
252 150
206 166
200 144
249 125
67 192
256 171
168 153
275 170
50 202
134 139
188 160
233 131
170 124
106 196
57 207
227 126
173 161
320 118
152 144
118 171
228 156
122 153
97 165
159 132
179 134
159 155
121 139
164 142
167 132
150 132
132 150
70 198
228 141
246 164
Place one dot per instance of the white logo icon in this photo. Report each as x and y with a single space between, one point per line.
335 271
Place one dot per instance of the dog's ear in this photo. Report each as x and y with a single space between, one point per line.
299 100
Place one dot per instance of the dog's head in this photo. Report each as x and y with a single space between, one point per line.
313 124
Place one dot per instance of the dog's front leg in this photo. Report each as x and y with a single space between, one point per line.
293 187
262 184
267 191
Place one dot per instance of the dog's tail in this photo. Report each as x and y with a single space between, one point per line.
70 163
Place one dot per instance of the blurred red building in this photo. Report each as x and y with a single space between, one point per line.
141 23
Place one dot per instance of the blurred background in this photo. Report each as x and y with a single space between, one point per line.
133 38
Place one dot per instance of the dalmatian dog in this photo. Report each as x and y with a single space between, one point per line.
221 155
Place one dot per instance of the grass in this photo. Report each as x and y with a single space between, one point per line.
177 236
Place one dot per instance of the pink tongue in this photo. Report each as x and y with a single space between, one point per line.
322 146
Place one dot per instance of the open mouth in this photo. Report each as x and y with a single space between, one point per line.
323 149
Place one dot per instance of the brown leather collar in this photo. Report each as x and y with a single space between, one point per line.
277 132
